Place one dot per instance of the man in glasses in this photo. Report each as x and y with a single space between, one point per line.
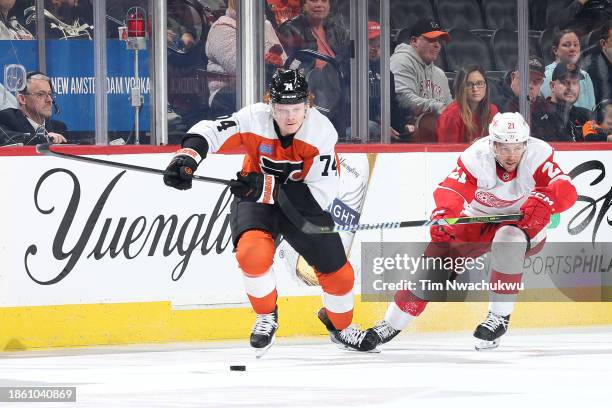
31 123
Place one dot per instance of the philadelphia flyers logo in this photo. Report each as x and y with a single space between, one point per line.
282 169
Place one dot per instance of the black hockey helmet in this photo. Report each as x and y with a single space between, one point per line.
288 86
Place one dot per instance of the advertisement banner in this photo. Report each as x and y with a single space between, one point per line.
76 233
70 65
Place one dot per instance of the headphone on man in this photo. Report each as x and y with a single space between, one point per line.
600 109
56 108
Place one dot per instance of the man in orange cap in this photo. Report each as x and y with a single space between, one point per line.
397 122
421 86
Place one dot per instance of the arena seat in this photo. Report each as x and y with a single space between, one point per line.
407 13
504 46
546 39
467 48
464 14
500 14
426 126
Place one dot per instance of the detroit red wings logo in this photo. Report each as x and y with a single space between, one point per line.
491 200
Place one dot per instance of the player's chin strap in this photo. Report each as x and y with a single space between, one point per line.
309 228
45 149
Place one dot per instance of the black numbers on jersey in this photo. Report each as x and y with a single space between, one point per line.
225 124
329 160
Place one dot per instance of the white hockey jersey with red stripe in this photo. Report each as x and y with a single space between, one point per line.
310 158
478 185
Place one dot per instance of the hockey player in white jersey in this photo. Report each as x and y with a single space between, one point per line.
504 173
290 147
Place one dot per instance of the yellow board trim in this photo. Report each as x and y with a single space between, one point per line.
25 328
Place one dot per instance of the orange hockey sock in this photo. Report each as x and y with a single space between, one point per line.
255 254
338 295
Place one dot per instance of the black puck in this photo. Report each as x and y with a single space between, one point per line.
237 368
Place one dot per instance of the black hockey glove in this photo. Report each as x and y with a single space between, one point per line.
256 187
179 173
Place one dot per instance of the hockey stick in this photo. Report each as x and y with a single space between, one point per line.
306 226
45 149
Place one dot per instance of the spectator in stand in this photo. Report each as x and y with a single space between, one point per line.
579 15
467 118
562 121
599 65
221 54
10 29
68 19
180 34
318 29
396 131
566 48
284 10
600 129
7 99
31 123
508 99
315 29
397 128
420 86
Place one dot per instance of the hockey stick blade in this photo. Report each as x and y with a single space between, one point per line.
45 149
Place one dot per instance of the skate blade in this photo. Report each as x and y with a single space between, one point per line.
347 348
260 352
486 345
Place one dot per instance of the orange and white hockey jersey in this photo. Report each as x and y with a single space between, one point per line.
478 185
310 158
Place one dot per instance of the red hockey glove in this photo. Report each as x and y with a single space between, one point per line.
256 187
536 211
179 173
441 233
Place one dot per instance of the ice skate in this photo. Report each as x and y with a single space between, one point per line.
383 332
351 338
264 332
489 332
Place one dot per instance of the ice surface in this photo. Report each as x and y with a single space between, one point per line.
558 368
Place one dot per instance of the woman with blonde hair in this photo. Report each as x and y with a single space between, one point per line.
468 116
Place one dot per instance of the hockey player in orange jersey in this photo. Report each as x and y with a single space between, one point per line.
289 146
504 173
